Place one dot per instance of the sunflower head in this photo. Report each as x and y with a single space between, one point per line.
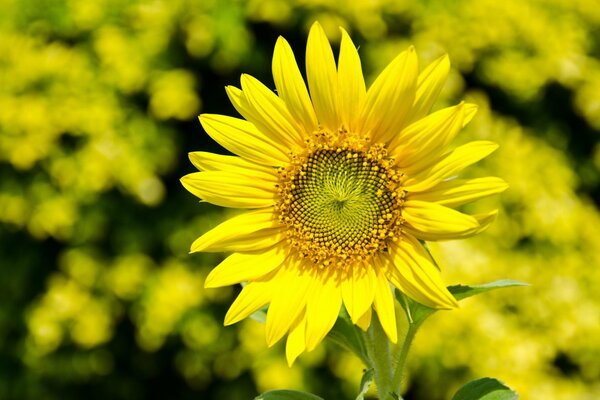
340 205
345 184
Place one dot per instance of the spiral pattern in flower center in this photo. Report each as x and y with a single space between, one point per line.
339 204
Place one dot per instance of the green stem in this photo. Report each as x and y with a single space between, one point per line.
378 349
402 356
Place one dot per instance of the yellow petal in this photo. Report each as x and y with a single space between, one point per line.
427 138
470 111
365 321
358 290
351 83
291 87
430 84
242 267
322 309
289 300
230 189
384 305
245 232
484 221
242 138
390 98
321 74
296 342
455 192
252 297
206 161
251 242
236 96
417 276
269 113
450 165
434 219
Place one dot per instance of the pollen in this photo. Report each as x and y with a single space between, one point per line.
338 205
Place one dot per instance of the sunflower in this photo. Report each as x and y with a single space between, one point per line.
344 185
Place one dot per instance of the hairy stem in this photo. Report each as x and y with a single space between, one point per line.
379 351
400 358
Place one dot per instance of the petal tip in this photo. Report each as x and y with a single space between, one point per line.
312 343
210 282
271 338
290 361
444 62
316 25
184 180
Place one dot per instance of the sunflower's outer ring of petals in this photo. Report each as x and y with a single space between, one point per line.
358 290
252 242
289 298
321 74
365 321
429 85
427 138
269 113
230 189
291 87
253 296
322 308
236 165
433 219
449 165
305 301
484 221
242 267
384 305
206 161
236 96
390 98
405 283
416 275
296 340
240 230
242 138
351 83
242 105
456 192
470 111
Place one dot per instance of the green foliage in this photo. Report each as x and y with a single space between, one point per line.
346 334
417 313
485 389
365 384
287 395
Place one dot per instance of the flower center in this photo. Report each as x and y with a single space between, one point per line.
339 204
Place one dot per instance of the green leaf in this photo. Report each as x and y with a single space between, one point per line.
365 383
349 336
287 395
463 291
485 389
417 312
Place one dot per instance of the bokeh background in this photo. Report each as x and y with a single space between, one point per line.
99 298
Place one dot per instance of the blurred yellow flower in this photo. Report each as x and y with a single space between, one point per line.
346 184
